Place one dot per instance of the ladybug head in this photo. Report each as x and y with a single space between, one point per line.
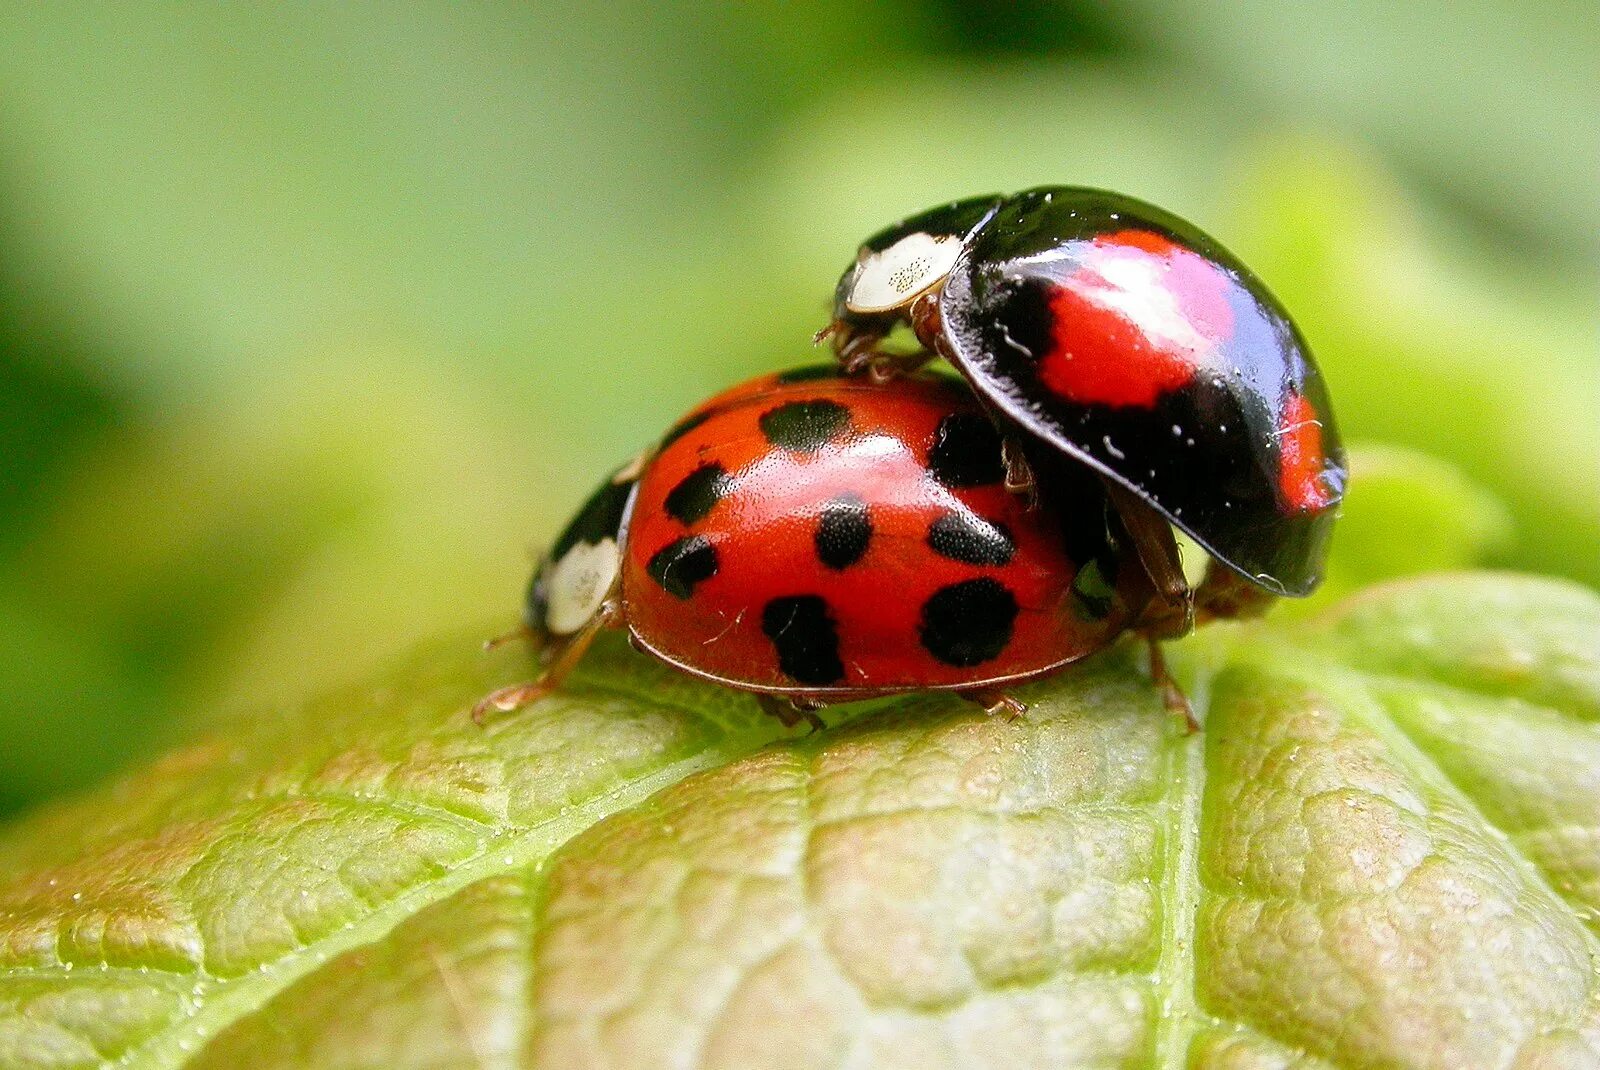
906 261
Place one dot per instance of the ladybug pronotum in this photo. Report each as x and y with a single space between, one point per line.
817 538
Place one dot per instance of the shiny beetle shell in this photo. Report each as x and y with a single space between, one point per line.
1127 339
826 538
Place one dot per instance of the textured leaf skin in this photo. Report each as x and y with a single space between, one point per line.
1383 851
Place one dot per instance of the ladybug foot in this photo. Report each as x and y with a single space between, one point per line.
887 367
791 713
1177 703
832 330
881 367
563 658
509 700
853 347
998 704
1172 695
858 352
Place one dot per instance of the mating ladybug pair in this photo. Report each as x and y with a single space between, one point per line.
839 532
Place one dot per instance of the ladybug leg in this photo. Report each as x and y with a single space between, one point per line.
1019 473
1226 595
524 632
925 320
827 332
887 367
997 703
860 354
1170 611
1172 695
854 348
1170 614
792 712
857 347
566 655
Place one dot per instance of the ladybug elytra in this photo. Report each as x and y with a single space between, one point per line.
817 538
1116 334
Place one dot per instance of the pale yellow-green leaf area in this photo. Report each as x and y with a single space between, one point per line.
1383 851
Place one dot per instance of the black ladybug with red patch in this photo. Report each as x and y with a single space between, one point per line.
1122 336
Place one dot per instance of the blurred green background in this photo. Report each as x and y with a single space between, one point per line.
315 319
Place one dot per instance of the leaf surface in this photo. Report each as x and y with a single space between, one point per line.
1383 851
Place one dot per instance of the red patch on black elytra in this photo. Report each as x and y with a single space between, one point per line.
1099 356
1301 461
1147 240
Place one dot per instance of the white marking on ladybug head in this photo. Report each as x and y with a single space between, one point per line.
902 273
576 585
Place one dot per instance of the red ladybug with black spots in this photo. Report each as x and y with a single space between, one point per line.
817 538
1113 333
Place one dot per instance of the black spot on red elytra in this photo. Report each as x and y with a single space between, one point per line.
968 623
810 373
683 427
843 531
803 633
698 493
966 451
962 536
804 426
682 564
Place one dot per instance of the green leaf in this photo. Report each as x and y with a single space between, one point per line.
1383 851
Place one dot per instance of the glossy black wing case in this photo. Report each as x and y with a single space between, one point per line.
1127 338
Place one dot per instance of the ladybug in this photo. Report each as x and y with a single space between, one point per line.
1118 335
815 538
